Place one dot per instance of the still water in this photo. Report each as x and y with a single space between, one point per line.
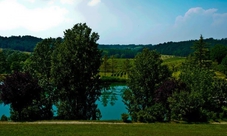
110 104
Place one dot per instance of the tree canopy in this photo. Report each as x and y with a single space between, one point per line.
75 68
145 77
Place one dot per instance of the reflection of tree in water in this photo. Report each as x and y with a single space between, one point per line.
110 95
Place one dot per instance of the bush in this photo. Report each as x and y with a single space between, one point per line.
156 112
125 117
4 118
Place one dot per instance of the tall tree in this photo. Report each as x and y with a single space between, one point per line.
144 78
75 68
201 53
39 65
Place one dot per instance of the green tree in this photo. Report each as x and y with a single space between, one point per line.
201 54
145 77
75 68
3 62
218 52
194 101
126 67
113 64
4 118
219 105
105 64
39 64
223 65
40 60
16 60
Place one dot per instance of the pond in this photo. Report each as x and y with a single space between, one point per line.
110 104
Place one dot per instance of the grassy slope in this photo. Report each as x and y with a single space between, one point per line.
174 63
160 129
170 61
118 69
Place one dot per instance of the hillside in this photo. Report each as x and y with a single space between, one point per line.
182 48
21 43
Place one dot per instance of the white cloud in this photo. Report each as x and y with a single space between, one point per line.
201 17
31 1
16 16
196 21
94 2
196 14
67 1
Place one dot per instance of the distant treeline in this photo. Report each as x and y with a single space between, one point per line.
21 43
182 48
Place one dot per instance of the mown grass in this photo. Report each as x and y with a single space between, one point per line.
159 129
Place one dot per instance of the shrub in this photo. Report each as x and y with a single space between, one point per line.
4 118
124 117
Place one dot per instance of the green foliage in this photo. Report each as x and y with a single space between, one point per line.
39 64
144 78
75 67
194 100
12 61
4 118
187 107
20 90
182 48
126 67
155 112
3 62
105 64
201 54
218 52
202 99
223 66
124 117
20 43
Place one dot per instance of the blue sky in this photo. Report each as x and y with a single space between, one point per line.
117 21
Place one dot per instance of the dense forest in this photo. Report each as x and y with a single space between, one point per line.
182 48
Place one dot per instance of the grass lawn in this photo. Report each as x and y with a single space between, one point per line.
159 129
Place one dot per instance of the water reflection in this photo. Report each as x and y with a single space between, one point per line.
110 104
4 110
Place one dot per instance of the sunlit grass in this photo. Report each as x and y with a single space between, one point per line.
159 129
220 75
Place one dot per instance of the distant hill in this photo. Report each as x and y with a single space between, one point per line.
22 43
182 48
